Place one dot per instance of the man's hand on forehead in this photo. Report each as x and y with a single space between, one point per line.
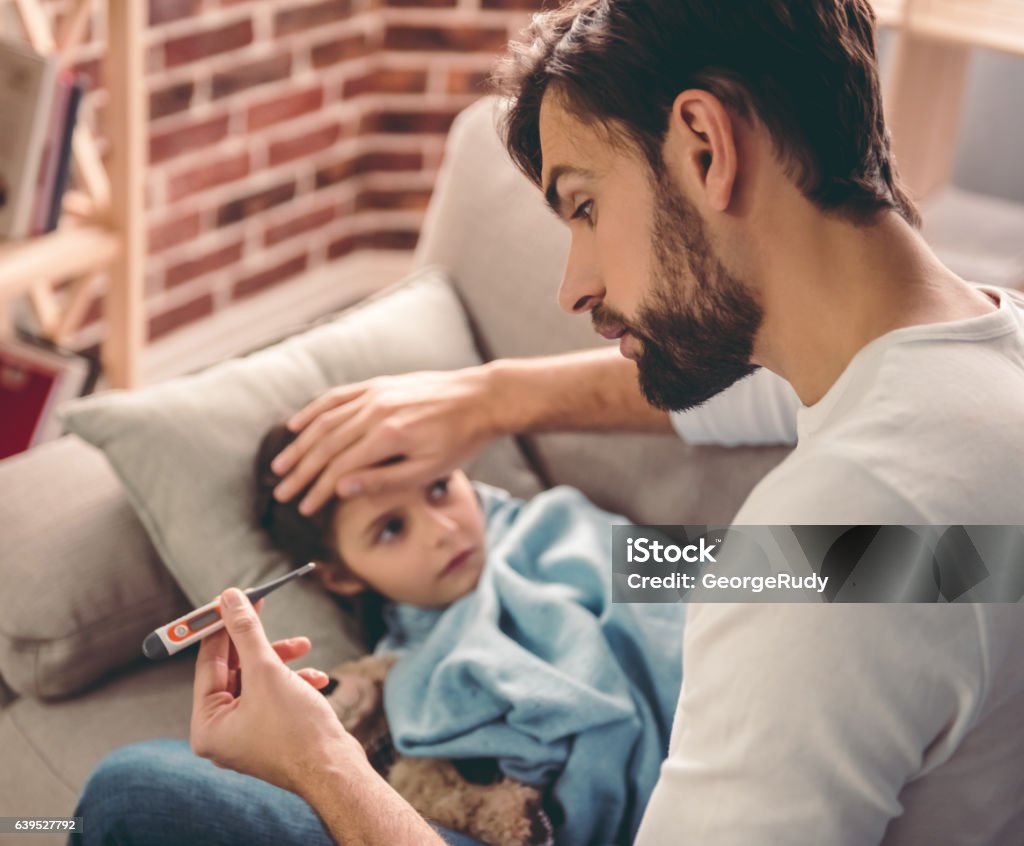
387 432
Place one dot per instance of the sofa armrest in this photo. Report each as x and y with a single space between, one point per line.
82 584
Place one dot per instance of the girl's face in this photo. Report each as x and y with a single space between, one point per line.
421 546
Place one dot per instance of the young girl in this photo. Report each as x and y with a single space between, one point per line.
509 644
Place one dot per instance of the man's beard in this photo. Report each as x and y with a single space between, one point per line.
693 347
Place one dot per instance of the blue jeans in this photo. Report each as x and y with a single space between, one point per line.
158 793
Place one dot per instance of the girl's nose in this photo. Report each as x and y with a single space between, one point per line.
444 526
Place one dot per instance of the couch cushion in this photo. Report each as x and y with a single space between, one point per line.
184 450
51 747
82 584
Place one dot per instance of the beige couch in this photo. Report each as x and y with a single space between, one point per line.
61 504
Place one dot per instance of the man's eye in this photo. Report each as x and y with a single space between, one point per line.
585 211
391 530
439 489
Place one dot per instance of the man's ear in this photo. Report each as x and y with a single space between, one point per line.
337 580
702 145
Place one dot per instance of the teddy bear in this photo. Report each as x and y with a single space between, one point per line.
470 796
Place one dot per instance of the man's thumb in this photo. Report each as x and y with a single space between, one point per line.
244 626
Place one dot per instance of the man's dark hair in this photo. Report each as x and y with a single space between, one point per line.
304 538
806 69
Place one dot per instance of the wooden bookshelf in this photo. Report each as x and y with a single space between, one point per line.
925 89
102 230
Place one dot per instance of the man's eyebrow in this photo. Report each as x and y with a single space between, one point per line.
551 192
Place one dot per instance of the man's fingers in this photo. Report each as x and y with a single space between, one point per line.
325 439
298 421
211 667
244 626
312 449
292 648
316 678
316 466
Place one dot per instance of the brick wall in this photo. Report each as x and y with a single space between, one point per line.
285 134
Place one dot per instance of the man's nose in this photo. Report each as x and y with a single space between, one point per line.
581 287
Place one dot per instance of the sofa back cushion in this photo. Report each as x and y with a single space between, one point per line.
82 583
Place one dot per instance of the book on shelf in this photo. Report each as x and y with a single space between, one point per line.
35 378
27 89
64 135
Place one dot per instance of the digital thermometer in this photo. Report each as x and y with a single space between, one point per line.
194 626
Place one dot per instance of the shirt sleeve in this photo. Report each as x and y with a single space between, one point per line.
760 409
802 723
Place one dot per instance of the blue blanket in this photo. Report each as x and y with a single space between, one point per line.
539 669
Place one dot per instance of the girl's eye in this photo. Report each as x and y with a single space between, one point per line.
391 530
585 211
439 490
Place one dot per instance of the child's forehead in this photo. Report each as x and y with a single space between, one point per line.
371 505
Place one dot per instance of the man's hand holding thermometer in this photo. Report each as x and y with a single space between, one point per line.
277 726
205 620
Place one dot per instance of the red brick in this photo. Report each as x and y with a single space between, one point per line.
456 38
530 5
167 321
298 225
310 16
285 107
272 276
401 121
173 232
163 11
393 81
255 203
389 240
341 247
251 74
339 50
167 144
406 199
304 145
367 163
207 263
383 240
169 101
207 175
468 82
201 45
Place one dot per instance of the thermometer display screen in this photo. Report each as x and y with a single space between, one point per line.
202 620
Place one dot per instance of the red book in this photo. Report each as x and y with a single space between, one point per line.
26 387
33 381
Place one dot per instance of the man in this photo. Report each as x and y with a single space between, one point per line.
725 173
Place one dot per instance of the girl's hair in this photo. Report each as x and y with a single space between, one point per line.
304 538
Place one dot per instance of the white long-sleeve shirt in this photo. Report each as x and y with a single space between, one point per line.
850 725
